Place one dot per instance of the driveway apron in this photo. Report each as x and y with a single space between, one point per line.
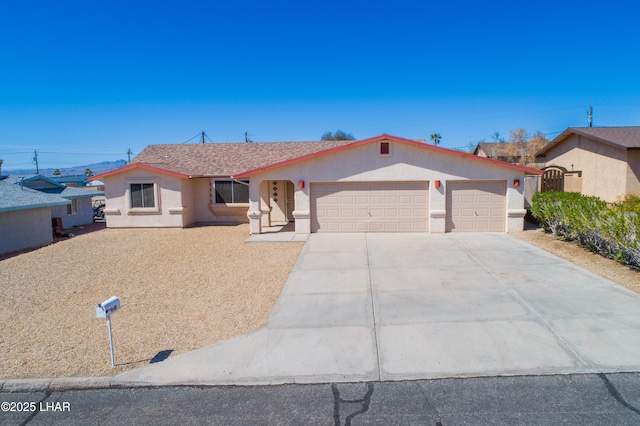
363 307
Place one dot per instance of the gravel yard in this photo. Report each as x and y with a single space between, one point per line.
181 289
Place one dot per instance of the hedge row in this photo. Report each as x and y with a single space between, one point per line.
611 230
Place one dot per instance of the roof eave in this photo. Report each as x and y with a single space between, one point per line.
34 206
143 166
577 131
421 145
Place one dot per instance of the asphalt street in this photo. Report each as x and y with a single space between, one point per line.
581 399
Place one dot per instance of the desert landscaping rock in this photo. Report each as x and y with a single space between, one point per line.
181 289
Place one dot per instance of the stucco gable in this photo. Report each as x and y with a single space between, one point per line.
385 137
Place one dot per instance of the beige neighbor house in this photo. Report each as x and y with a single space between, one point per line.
600 161
385 183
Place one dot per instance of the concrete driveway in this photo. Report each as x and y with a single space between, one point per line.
368 307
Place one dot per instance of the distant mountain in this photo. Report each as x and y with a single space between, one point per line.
96 168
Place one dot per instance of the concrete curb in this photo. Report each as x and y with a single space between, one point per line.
54 384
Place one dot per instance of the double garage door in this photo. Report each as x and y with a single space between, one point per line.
370 207
404 206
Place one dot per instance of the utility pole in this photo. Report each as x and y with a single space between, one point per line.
129 154
203 136
246 137
35 158
590 116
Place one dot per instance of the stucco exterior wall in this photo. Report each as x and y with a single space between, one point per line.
406 163
189 204
604 167
83 216
572 182
633 171
179 202
207 212
168 210
25 228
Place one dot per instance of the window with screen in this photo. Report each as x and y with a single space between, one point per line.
142 195
231 192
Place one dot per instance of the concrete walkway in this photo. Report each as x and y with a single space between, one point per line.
363 307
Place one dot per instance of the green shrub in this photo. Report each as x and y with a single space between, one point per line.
611 230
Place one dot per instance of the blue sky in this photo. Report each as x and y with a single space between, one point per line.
84 81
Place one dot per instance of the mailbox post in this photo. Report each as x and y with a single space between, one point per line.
105 310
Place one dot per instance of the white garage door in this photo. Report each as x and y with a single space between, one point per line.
370 207
476 206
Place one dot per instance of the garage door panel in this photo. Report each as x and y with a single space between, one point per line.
390 213
370 207
476 206
361 227
362 213
333 213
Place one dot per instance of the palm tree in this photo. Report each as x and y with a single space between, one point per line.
435 138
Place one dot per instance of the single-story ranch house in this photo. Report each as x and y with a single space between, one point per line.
385 183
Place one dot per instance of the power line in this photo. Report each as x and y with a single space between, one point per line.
192 138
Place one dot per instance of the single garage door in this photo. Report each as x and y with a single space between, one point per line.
370 207
476 206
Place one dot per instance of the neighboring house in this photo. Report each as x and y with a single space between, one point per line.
600 161
385 183
72 180
510 152
503 151
25 216
29 205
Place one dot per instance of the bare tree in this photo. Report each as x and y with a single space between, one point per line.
524 147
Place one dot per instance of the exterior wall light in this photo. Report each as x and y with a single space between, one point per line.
437 184
301 184
516 183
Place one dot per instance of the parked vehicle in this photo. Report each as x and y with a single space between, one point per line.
98 212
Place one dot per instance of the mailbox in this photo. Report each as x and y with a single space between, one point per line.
108 307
